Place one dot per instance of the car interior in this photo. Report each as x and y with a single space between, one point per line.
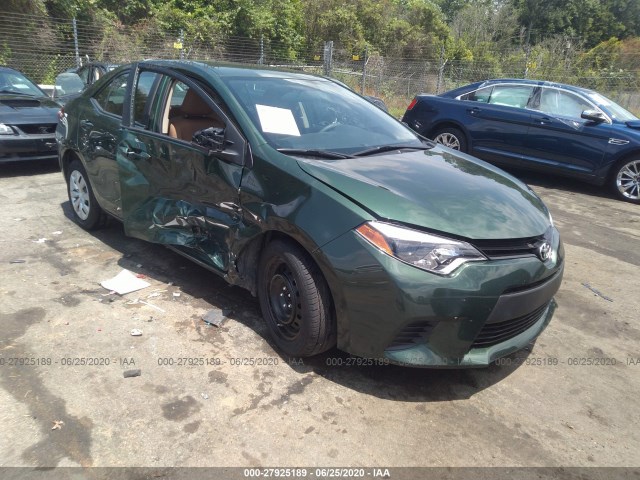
192 115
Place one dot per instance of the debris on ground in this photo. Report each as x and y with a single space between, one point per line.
176 294
17 261
216 317
137 301
57 232
205 396
57 425
152 306
597 292
136 372
141 275
40 240
136 333
125 282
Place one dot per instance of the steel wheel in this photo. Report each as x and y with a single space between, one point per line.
284 302
628 180
79 195
295 300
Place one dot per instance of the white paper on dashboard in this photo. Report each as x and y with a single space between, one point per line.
277 120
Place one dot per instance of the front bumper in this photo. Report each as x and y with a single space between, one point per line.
485 310
16 148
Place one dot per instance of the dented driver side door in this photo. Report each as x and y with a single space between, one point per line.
174 190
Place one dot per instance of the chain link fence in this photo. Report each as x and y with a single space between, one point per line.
43 47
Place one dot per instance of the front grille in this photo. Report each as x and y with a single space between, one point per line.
516 247
38 129
494 333
412 334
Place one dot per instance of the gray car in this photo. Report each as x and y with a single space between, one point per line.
28 119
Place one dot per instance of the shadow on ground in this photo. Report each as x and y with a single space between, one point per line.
389 382
29 168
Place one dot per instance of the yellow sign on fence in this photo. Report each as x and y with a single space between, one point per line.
177 45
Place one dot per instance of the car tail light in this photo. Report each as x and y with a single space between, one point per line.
412 104
61 113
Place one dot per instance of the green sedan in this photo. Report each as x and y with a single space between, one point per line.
352 230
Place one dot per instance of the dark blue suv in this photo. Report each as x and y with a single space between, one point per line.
537 125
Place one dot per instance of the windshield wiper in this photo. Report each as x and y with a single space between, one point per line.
4 90
390 148
313 153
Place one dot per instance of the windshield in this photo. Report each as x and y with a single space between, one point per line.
616 111
15 82
316 114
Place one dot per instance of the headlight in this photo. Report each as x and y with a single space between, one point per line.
6 129
422 250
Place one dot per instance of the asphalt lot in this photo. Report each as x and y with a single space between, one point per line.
572 400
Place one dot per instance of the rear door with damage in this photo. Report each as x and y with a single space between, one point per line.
180 160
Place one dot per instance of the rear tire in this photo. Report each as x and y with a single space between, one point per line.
86 211
452 138
625 180
295 300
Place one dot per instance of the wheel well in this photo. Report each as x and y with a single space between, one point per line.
441 126
68 157
618 161
248 258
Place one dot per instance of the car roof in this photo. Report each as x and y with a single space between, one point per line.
228 69
4 68
522 81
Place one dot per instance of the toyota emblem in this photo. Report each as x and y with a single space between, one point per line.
544 252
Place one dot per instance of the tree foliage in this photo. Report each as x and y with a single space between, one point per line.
546 32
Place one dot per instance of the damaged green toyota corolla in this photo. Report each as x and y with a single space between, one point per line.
350 229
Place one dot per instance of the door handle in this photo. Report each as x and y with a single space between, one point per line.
474 110
543 120
133 155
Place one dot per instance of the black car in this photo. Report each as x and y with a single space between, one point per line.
28 119
545 126
73 81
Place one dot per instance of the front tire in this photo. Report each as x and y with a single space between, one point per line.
452 138
625 180
86 211
295 300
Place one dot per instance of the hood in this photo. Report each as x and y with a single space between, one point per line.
438 190
27 109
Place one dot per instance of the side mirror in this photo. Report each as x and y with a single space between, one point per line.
594 116
211 138
67 83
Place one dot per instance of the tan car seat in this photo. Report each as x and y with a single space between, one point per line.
193 115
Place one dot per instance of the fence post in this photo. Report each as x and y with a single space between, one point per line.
75 43
364 69
181 44
527 53
328 57
261 60
443 62
380 72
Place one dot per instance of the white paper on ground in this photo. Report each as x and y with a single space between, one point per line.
125 282
277 120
